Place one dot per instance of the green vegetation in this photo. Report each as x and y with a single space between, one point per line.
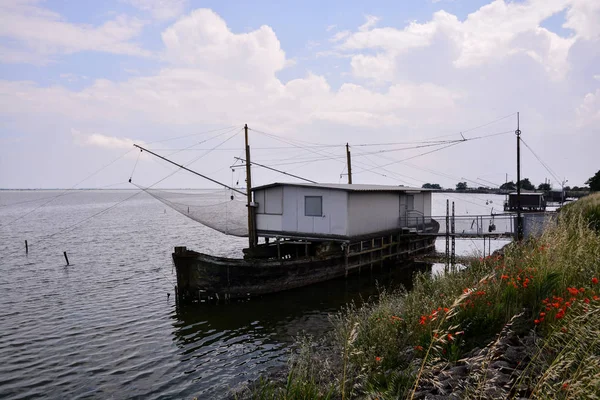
594 182
526 184
546 187
544 289
461 186
432 186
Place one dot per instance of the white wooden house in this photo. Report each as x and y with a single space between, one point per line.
338 210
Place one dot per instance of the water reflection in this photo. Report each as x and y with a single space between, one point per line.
225 344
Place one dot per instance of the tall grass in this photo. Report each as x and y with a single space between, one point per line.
386 349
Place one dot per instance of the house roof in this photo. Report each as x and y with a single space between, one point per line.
347 187
527 193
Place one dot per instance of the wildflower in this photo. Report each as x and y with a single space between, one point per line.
596 298
573 291
419 348
504 277
586 300
466 291
537 321
595 281
446 309
450 338
564 329
565 386
581 290
542 314
423 320
377 359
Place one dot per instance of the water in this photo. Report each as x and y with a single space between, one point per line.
104 327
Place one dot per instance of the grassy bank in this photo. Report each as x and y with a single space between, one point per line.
546 289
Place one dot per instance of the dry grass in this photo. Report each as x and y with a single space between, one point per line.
386 349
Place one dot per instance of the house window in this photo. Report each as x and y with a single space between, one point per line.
313 206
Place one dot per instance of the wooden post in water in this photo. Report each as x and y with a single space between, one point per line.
26 248
66 258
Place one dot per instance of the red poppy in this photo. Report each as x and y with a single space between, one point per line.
595 281
537 321
573 291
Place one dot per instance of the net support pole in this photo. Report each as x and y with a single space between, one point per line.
251 226
349 163
519 216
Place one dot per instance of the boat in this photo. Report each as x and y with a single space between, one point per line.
301 233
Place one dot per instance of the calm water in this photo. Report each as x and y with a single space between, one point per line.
104 327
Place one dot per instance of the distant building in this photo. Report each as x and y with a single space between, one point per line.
530 201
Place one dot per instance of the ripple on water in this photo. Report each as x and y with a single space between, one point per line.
103 326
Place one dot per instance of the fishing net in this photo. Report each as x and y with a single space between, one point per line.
213 208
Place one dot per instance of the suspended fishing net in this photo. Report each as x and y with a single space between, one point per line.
213 208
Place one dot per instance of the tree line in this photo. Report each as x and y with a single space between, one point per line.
593 184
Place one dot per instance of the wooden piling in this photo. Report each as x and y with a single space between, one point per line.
26 248
66 258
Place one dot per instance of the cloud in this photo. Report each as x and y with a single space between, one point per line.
415 81
103 141
492 33
202 40
38 35
588 112
330 27
370 22
339 36
160 9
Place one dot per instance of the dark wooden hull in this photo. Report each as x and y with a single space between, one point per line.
202 276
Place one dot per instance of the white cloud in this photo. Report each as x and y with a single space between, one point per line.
40 34
160 9
588 112
370 22
494 32
103 141
432 78
202 40
339 36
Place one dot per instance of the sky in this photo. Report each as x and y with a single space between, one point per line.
400 81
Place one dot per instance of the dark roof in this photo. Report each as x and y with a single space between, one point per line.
347 187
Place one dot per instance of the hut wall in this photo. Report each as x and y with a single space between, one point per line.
370 212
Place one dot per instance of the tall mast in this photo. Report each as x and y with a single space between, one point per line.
349 161
251 229
519 219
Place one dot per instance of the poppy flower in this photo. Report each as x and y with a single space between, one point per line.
595 281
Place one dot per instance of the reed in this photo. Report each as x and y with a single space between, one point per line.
387 348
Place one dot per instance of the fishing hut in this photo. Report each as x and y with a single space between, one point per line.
529 201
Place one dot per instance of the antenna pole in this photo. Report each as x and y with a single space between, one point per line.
519 217
189 170
349 162
251 228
